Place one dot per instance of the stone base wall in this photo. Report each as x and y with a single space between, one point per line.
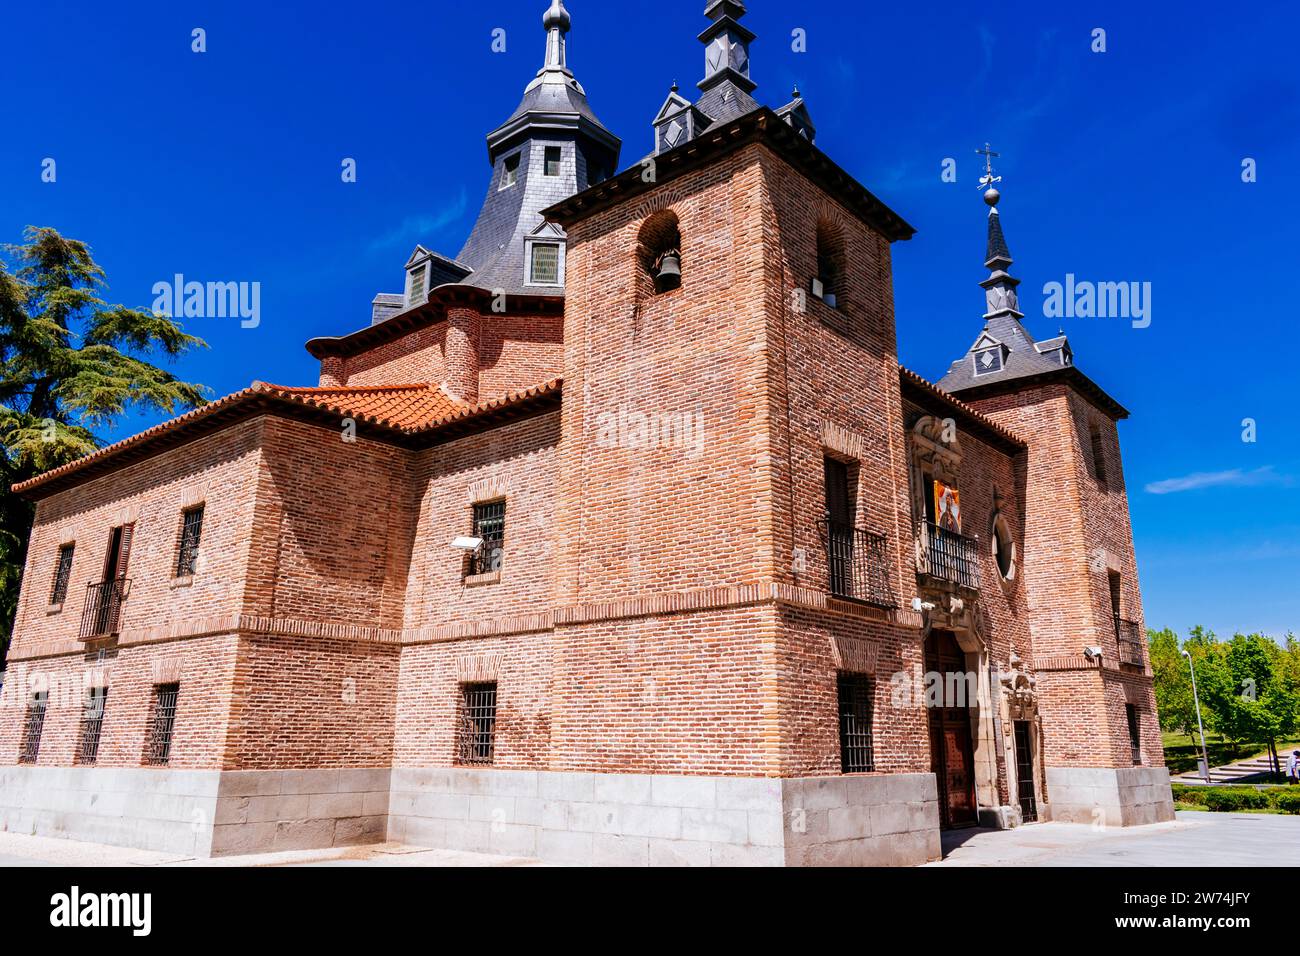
268 810
170 811
1119 797
197 812
659 820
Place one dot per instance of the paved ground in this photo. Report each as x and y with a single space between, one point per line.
1194 839
19 850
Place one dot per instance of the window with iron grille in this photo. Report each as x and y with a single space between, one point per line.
476 724
1134 732
162 721
33 726
490 525
62 572
856 755
187 560
92 722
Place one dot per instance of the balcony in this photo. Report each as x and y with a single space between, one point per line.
102 609
948 556
858 563
1128 636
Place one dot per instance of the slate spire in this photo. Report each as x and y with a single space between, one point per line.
1000 287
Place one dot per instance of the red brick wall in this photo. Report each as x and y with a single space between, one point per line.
312 703
219 470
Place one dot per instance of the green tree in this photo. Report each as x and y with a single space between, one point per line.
70 364
1173 683
1248 691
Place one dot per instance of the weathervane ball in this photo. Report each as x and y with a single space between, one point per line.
991 196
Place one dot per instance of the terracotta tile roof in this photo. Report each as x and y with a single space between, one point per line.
408 413
925 385
397 406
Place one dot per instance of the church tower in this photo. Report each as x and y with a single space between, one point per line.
551 147
1089 640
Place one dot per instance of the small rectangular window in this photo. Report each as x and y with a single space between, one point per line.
33 727
92 722
510 171
1134 732
62 572
490 525
856 755
544 268
187 559
553 156
1098 455
477 724
162 721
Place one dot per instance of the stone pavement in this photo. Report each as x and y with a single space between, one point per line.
1194 839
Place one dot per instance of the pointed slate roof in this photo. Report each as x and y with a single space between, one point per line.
727 88
1005 355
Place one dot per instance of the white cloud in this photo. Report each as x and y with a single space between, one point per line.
412 229
1234 478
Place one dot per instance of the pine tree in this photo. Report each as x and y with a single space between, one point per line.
70 364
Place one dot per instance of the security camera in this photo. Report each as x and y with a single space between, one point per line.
919 605
1092 653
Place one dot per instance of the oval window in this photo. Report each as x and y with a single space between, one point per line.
1004 549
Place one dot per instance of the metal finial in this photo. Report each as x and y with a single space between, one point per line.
991 195
556 17
795 94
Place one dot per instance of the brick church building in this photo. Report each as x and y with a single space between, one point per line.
618 537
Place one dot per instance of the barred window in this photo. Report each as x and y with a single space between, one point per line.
162 721
490 525
476 724
856 754
62 572
92 722
33 726
187 559
1134 732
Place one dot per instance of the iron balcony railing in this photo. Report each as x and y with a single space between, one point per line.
949 556
1129 638
858 563
103 608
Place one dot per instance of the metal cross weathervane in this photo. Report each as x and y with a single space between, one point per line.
988 179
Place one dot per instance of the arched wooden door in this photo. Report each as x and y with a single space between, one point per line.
952 755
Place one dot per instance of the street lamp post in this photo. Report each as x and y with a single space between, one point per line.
1205 757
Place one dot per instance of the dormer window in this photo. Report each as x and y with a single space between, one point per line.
544 263
553 157
510 171
416 284
988 361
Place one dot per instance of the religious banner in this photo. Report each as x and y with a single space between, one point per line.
947 507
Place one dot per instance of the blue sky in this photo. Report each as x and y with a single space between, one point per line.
1118 166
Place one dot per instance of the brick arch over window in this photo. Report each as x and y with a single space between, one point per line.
660 235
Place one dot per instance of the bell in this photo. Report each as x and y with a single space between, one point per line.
669 274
